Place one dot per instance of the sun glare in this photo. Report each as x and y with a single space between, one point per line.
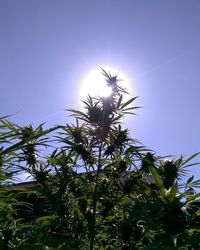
94 83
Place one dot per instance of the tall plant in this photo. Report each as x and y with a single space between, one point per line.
100 144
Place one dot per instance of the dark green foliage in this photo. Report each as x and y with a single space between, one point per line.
96 188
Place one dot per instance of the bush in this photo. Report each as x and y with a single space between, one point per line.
95 186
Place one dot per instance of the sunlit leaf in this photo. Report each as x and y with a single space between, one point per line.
173 191
157 180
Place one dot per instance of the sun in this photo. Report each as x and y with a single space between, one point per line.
94 83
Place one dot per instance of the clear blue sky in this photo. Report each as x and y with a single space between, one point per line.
47 47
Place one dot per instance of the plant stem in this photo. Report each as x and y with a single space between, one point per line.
95 198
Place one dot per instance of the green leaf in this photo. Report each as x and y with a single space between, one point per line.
78 114
190 180
119 101
173 192
157 180
190 158
198 213
128 102
131 108
193 198
195 184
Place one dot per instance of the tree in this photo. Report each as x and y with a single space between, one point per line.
98 188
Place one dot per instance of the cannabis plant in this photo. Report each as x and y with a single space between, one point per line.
95 187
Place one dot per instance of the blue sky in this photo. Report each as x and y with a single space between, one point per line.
47 47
